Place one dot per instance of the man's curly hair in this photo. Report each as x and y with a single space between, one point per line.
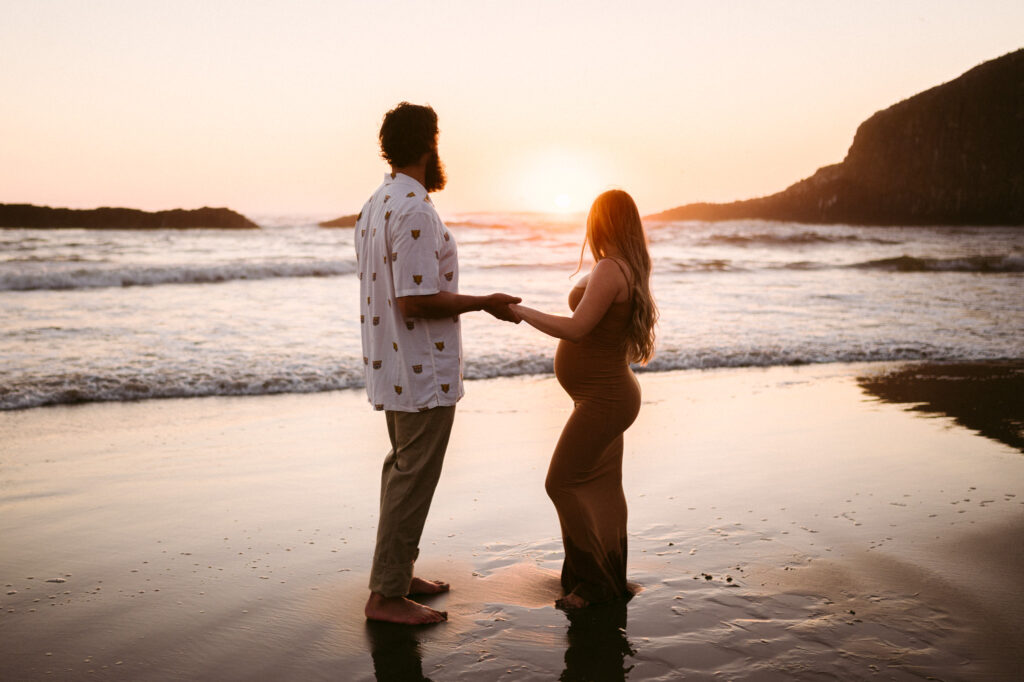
407 133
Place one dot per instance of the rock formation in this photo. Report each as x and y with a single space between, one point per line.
27 215
951 155
343 221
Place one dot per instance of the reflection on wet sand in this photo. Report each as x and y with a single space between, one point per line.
987 397
598 645
597 648
396 652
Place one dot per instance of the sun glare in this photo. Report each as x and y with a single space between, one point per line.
559 181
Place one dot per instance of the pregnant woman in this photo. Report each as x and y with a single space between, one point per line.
612 324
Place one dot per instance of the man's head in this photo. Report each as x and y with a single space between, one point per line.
409 132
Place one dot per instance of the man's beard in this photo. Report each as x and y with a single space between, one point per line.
435 178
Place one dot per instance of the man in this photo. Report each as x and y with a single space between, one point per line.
412 349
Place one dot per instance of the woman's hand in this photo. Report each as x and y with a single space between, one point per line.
500 306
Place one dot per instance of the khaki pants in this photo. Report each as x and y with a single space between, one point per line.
410 474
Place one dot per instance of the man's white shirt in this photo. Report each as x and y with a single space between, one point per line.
404 249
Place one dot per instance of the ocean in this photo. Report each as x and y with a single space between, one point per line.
115 315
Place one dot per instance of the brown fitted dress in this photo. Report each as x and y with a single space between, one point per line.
585 477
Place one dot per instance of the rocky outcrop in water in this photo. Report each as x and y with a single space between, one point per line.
343 221
951 155
27 215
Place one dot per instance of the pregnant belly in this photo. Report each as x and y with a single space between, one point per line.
588 373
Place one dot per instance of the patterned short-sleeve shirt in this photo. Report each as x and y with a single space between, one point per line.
404 249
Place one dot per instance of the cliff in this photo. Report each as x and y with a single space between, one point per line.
951 155
27 215
343 221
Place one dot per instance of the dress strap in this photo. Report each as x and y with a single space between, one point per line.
626 273
625 268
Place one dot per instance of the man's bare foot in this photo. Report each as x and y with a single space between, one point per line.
421 586
401 610
571 602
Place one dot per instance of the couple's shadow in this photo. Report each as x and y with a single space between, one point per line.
597 647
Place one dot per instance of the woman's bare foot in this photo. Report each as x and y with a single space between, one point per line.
401 610
571 602
421 586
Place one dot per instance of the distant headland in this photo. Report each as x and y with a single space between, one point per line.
27 215
343 221
951 155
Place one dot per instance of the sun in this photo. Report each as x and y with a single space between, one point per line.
558 180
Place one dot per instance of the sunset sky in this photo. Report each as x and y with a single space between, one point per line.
273 106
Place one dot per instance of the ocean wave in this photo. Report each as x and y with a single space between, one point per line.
79 387
803 265
706 265
35 390
790 239
47 278
479 224
675 359
53 259
1001 263
527 267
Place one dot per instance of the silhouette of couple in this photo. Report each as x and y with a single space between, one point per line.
412 355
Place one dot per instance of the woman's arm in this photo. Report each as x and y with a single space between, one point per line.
605 284
447 304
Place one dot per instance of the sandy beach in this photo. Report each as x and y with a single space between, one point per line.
826 522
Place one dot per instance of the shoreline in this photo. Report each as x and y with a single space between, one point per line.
1006 373
229 537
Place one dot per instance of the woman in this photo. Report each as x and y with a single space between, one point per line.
612 324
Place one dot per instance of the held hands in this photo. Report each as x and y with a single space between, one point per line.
498 306
522 312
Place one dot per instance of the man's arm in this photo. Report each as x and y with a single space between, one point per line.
447 304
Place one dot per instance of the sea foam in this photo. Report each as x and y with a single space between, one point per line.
60 278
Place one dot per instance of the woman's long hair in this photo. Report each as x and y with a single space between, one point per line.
614 224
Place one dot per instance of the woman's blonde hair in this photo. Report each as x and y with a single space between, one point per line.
614 224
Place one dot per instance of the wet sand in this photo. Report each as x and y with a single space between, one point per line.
789 523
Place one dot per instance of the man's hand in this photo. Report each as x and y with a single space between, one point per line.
497 305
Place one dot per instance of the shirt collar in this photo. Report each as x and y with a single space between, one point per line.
402 178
